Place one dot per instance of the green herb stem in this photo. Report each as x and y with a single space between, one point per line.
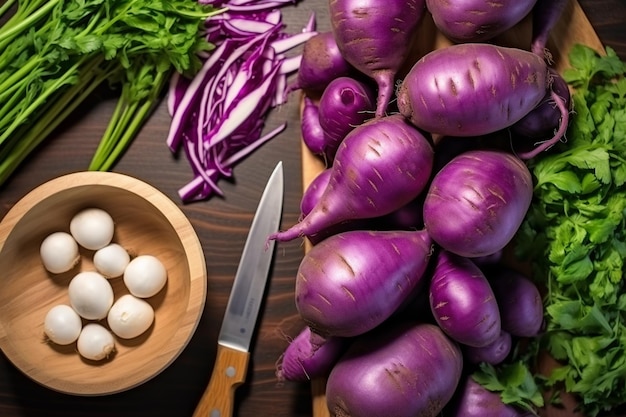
66 78
115 130
11 108
4 9
25 23
13 82
52 117
127 120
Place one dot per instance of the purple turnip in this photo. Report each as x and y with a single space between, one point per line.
477 202
310 127
404 369
463 302
473 400
375 36
353 281
345 104
545 16
545 119
477 88
477 20
321 63
303 361
381 165
493 353
521 305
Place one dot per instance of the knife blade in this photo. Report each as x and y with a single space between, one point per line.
242 309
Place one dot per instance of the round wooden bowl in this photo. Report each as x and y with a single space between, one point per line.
146 222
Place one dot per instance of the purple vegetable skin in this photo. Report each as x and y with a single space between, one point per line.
493 353
401 370
303 361
472 89
345 104
321 63
407 217
311 129
477 20
473 400
463 302
314 191
521 305
541 122
351 282
311 196
375 37
380 166
477 202
475 89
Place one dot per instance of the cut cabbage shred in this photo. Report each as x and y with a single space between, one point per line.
218 117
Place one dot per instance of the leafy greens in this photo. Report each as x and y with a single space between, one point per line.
574 236
55 53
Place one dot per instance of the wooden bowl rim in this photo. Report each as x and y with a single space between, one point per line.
194 259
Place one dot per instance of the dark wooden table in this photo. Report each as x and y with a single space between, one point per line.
222 225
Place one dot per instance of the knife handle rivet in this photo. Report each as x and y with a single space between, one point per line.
231 371
215 413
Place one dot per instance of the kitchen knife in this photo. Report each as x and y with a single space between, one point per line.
233 343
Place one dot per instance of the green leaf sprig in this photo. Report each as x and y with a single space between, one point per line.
515 383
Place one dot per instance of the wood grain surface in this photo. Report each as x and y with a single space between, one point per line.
222 225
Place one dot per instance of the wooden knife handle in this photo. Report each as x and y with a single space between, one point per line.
318 390
229 372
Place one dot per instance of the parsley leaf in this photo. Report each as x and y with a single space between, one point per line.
515 383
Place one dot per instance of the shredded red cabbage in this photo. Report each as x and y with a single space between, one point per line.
218 117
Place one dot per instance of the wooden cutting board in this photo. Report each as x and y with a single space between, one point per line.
573 28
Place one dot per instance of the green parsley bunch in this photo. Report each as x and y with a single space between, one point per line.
574 236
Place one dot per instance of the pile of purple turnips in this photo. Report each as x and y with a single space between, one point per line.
405 288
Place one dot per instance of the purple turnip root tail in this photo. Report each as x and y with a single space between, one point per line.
312 223
381 165
375 37
311 130
545 15
558 135
279 368
385 82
